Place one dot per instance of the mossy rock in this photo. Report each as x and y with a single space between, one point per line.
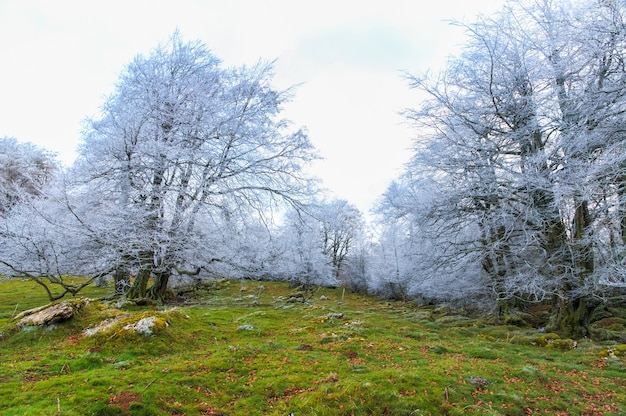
454 320
614 351
561 344
616 328
611 323
546 339
520 320
505 332
523 340
539 341
620 350
125 325
607 334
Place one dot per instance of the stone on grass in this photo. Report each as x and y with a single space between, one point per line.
49 314
478 382
143 326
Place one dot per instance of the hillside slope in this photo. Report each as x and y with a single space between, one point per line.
246 348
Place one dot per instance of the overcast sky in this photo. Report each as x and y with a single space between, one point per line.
61 58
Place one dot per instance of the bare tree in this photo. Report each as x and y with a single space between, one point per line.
24 170
519 143
299 256
183 140
341 224
42 240
182 148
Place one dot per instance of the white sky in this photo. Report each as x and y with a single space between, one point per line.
60 59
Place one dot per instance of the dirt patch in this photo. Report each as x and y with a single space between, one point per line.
351 354
124 400
332 378
94 349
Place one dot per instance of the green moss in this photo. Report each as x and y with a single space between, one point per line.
613 351
546 339
103 409
486 337
330 357
609 322
483 353
439 349
561 344
519 319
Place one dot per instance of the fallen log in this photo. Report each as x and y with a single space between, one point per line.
48 314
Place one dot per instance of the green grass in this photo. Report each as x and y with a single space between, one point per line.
243 349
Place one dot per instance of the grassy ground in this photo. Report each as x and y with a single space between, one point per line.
244 349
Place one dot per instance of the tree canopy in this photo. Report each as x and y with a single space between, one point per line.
183 149
25 170
519 154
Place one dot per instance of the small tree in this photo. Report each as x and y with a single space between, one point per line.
341 224
300 258
43 240
25 170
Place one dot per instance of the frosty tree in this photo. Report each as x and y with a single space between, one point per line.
183 149
522 143
341 224
182 144
25 170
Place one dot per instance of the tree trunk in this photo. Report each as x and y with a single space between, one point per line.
582 247
572 319
498 265
573 314
621 189
121 280
138 289
157 290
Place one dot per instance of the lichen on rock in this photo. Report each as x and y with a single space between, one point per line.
144 324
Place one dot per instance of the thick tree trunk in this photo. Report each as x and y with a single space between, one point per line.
573 314
498 265
572 319
138 289
157 290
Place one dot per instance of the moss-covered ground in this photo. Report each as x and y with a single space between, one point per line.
242 348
